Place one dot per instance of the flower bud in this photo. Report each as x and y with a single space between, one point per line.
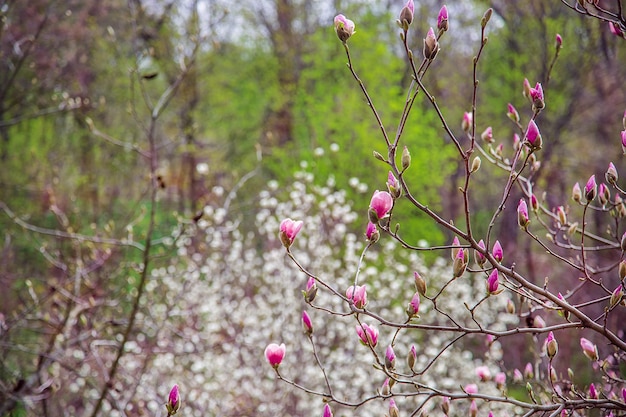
327 411
445 405
431 46
591 189
406 14
406 159
512 113
623 135
510 306
358 294
466 123
604 195
622 270
522 214
343 27
611 174
552 347
385 389
526 88
589 349
414 305
393 185
311 290
560 212
473 410
475 164
307 325
486 17
390 358
577 193
442 19
616 296
173 401
528 371
380 205
593 394
371 233
559 41
478 256
420 284
534 203
500 380
497 251
459 264
623 242
536 96
411 357
487 135
492 283
517 375
393 409
533 137
483 373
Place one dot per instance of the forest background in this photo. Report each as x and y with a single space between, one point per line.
260 95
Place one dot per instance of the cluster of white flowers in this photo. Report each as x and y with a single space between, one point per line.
216 307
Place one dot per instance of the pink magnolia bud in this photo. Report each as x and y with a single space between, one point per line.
478 256
311 290
359 293
306 323
533 137
487 135
173 401
534 203
483 373
538 322
589 349
536 96
456 247
380 204
414 305
616 296
552 347
406 14
624 394
624 141
562 216
367 334
577 193
473 410
512 113
528 371
393 409
431 46
497 251
471 389
459 264
593 394
604 195
492 282
385 389
500 380
611 174
343 27
275 354
327 411
393 185
522 214
559 41
517 375
371 233
390 358
466 123
442 19
591 189
288 231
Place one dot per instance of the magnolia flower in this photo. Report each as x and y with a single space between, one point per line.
492 282
414 305
393 185
533 137
307 325
536 96
522 214
275 354
483 373
406 14
367 334
593 394
512 113
327 411
500 379
288 231
591 189
343 27
173 401
497 251
380 204
371 233
552 347
589 349
390 358
358 294
471 389
442 19
431 46
487 135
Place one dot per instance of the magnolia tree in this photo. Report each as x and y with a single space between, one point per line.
407 357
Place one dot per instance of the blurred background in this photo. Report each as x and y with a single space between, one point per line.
265 122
